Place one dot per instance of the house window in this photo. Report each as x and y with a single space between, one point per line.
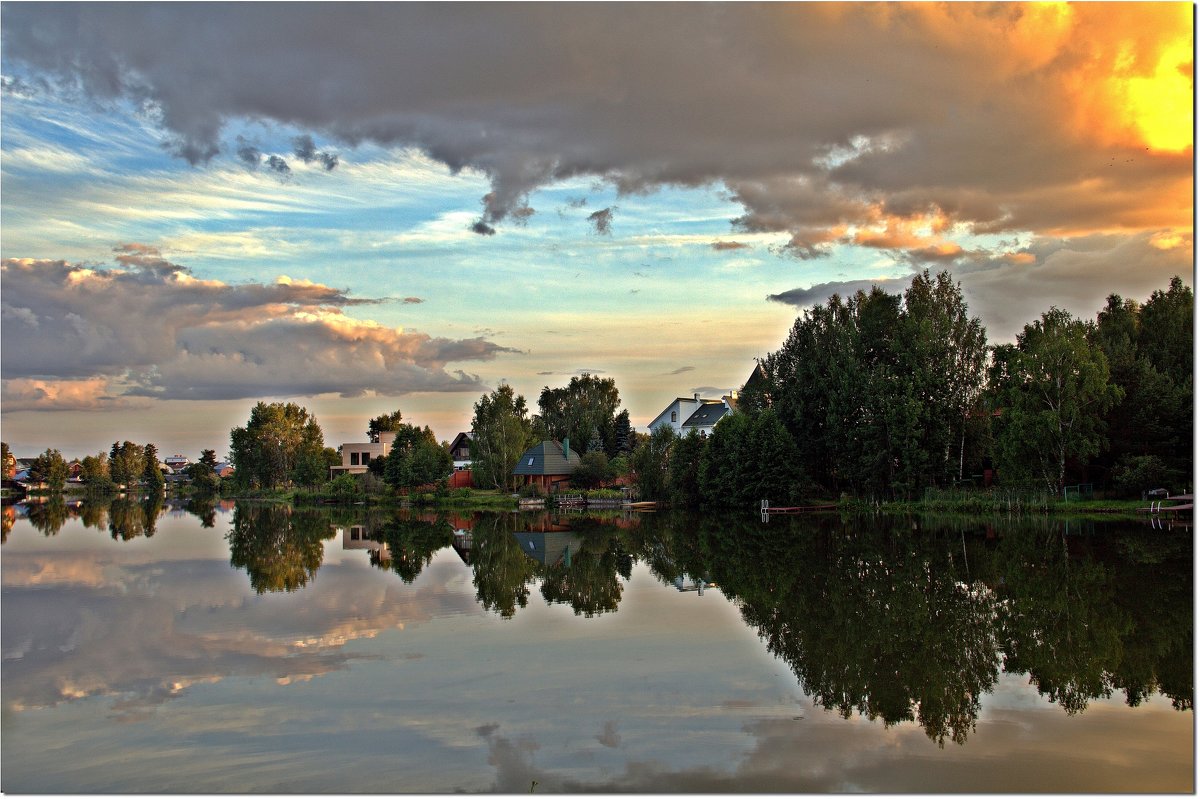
531 461
366 458
354 459
672 416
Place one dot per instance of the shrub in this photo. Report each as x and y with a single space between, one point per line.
531 491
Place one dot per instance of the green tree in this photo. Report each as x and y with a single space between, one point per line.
651 462
8 463
94 472
281 443
385 423
500 432
203 473
749 459
592 471
416 458
684 470
150 472
126 463
587 405
1053 387
49 468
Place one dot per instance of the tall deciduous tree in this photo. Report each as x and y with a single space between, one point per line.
416 458
1054 389
500 431
280 443
386 423
651 462
586 406
49 468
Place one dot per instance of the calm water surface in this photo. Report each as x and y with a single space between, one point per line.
222 648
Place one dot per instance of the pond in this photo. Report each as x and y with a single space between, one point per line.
256 648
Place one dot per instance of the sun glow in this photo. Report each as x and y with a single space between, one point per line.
1161 104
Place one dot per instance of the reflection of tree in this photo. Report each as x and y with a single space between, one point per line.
48 517
588 582
879 623
1156 588
502 573
412 543
279 547
910 621
204 508
129 519
94 511
7 521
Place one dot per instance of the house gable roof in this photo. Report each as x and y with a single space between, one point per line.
546 458
460 440
707 414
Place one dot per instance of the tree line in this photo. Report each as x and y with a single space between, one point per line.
886 395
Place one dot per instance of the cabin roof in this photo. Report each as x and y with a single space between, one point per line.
547 458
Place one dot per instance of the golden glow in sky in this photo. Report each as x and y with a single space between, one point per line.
1161 104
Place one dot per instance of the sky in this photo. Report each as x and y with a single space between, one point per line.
370 207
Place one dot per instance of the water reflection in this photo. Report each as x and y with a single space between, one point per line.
904 622
279 547
914 623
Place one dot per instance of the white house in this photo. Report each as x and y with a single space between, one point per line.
684 414
357 456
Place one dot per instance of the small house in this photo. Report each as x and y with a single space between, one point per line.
548 464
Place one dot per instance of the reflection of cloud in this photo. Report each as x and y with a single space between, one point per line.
826 754
609 737
145 633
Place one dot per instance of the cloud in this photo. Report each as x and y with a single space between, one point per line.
278 166
87 394
602 220
725 246
412 300
151 328
818 293
680 370
248 154
305 149
1008 289
1018 117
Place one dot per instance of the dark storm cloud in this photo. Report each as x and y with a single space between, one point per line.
952 106
483 229
149 323
412 300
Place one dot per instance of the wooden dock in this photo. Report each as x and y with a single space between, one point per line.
1156 508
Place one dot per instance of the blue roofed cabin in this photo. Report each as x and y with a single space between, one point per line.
548 464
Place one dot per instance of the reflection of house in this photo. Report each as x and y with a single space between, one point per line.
549 549
357 456
548 464
684 414
685 583
357 537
